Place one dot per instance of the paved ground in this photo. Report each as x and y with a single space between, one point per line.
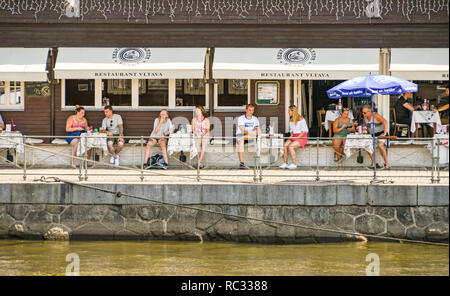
127 175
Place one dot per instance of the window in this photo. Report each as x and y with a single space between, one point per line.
11 94
156 93
190 92
232 93
80 92
118 91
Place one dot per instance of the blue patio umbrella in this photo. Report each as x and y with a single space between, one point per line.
368 86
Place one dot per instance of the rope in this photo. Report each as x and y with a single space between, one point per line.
119 194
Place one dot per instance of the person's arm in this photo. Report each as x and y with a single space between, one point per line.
410 107
336 129
384 121
352 129
69 127
442 108
208 126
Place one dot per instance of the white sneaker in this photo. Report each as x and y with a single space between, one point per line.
111 160
284 166
116 161
292 166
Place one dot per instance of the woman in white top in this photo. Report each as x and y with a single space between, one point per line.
299 134
162 127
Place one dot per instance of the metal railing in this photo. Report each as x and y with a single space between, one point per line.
316 169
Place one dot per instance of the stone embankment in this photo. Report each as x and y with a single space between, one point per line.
58 211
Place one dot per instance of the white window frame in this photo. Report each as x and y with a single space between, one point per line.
15 107
134 98
230 108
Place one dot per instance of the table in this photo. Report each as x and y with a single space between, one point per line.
429 117
332 115
12 140
358 141
182 142
95 140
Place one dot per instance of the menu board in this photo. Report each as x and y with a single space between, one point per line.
267 92
37 89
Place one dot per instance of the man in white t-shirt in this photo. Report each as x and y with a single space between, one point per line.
113 124
248 127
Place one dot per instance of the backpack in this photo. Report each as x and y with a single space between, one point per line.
157 160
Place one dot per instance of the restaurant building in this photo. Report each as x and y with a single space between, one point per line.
144 56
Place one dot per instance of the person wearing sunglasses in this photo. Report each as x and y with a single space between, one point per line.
113 124
381 129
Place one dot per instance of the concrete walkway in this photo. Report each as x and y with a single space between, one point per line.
269 176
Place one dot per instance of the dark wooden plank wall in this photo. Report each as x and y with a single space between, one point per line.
190 35
35 120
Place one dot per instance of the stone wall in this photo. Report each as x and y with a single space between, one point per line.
64 211
118 222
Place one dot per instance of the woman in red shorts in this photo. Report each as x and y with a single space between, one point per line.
299 134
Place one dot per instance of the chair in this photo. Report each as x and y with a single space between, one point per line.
321 121
399 125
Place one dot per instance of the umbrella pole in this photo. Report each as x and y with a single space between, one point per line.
374 144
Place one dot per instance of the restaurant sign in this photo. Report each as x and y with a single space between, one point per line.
37 89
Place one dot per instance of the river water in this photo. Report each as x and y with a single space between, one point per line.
18 257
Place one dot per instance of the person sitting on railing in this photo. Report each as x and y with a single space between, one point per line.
113 124
162 127
298 137
248 127
381 129
341 128
75 126
200 128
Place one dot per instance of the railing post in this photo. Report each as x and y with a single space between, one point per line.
24 158
433 160
80 174
317 159
85 161
142 159
198 155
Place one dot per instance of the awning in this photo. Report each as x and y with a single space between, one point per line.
420 63
23 64
294 63
130 63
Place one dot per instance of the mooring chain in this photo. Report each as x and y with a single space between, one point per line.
360 236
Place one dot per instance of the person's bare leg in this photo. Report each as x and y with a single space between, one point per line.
286 152
74 151
241 150
384 154
294 145
341 149
337 148
120 146
163 146
203 151
148 148
111 148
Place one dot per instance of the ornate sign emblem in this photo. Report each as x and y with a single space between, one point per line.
296 56
131 55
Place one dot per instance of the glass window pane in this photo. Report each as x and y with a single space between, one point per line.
155 94
190 92
15 93
234 93
118 91
80 92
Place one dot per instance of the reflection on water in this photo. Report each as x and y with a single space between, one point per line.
212 258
